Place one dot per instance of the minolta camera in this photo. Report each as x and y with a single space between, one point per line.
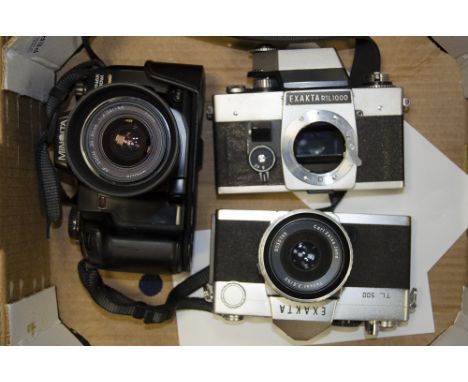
308 270
302 128
133 141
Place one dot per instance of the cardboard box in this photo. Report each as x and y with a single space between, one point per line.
30 263
457 47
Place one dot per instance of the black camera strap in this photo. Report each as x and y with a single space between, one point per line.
51 191
115 302
366 61
335 198
366 55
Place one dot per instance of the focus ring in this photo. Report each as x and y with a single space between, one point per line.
87 173
305 233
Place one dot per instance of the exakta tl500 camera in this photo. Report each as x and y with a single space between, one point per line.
133 141
302 127
308 270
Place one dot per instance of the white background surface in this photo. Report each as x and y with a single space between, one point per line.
435 196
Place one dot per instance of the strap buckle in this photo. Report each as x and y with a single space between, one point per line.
140 310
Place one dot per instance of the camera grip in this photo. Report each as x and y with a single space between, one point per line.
131 254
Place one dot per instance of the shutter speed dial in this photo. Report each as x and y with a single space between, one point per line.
262 159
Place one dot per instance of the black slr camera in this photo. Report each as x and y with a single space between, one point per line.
133 141
308 270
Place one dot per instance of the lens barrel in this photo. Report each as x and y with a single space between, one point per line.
122 140
305 256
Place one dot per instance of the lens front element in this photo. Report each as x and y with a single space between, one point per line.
126 142
305 255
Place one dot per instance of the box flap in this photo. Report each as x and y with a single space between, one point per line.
457 334
457 47
30 63
34 321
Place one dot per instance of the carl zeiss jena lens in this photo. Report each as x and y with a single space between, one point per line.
305 256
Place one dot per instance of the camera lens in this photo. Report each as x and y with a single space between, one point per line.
126 142
319 147
305 256
125 139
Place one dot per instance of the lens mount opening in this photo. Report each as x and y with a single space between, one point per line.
319 148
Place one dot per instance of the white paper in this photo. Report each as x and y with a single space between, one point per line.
435 196
34 320
30 63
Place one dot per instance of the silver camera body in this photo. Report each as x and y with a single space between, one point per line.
302 128
361 274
